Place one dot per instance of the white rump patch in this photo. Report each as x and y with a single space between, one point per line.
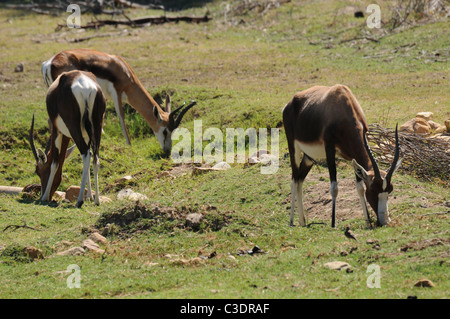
46 71
85 90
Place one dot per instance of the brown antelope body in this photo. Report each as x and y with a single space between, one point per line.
322 122
119 83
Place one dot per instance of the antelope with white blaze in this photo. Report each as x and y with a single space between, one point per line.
119 83
75 106
322 122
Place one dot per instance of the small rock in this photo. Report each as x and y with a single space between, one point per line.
376 247
59 196
90 245
19 67
222 165
193 220
33 252
416 125
129 194
74 251
424 283
124 179
425 115
105 199
268 159
97 238
253 160
372 241
338 265
72 193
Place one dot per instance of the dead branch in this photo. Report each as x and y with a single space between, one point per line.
140 22
103 35
20 226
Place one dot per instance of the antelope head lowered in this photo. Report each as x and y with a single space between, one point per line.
120 84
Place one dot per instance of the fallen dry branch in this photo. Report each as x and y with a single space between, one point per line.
426 156
20 226
140 22
12 190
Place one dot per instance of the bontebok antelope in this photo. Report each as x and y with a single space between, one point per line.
75 106
322 122
119 83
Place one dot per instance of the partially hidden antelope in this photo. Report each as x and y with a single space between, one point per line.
119 83
322 122
75 106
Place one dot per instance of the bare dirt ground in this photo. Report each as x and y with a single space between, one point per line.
317 199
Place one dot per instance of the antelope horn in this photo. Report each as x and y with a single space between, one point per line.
31 139
183 112
376 170
396 156
175 122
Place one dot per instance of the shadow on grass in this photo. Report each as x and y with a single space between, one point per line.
176 5
38 202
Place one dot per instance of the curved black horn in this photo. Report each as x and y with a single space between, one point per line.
376 170
30 138
396 156
174 123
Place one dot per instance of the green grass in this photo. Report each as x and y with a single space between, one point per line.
241 75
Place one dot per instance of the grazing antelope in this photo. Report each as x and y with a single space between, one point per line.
75 106
119 83
323 122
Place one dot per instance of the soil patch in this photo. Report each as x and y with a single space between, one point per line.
420 245
317 199
138 217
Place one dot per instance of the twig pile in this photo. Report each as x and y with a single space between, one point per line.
426 156
407 12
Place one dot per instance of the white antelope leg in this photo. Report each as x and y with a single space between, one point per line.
96 169
117 100
301 211
86 163
89 188
293 201
297 202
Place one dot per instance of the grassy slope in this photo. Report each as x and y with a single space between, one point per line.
245 73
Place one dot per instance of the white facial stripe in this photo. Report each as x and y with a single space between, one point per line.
383 212
53 169
384 184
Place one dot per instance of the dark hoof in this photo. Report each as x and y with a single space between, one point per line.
78 205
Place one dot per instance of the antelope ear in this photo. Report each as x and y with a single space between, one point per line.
70 150
156 113
168 104
359 170
399 162
42 157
